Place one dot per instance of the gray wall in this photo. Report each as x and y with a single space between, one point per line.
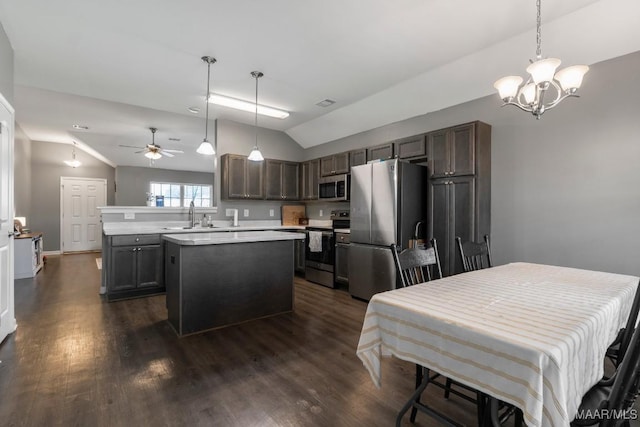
565 189
47 168
6 66
238 138
132 183
22 174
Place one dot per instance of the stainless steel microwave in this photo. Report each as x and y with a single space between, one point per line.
334 188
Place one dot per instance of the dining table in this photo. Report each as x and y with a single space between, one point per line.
531 335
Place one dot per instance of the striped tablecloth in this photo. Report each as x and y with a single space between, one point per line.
532 335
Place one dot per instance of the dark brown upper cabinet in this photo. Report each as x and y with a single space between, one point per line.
414 147
380 152
335 164
241 178
282 180
357 157
451 152
309 179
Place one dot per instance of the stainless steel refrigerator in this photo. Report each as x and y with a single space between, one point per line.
387 200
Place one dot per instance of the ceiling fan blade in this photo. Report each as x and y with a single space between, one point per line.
172 151
130 146
164 153
141 151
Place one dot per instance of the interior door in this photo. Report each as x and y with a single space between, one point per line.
7 315
81 224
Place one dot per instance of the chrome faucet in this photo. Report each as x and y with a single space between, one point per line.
192 214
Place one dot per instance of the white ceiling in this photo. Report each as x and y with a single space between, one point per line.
120 67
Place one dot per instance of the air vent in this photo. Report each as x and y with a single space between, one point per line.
327 102
175 139
80 127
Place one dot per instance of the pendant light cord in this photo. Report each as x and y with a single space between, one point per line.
206 99
538 33
256 117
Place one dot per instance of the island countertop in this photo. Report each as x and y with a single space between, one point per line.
216 238
179 227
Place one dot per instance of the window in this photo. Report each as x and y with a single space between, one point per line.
177 195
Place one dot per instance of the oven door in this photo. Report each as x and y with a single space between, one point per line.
322 256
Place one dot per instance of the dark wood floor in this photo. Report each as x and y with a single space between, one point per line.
78 360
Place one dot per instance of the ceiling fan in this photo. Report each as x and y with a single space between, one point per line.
153 151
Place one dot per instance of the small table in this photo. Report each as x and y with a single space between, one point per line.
27 255
532 335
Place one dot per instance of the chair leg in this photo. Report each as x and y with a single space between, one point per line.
447 387
419 374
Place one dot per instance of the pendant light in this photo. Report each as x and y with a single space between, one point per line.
74 163
534 95
255 154
205 147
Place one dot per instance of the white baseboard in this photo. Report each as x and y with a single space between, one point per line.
51 253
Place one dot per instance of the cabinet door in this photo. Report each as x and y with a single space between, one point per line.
438 208
273 179
327 167
253 180
357 158
290 181
413 147
310 174
236 175
463 150
438 154
149 266
341 163
461 215
300 256
122 268
382 152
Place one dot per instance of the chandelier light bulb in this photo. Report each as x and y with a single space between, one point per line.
206 148
508 86
542 70
570 78
153 155
529 93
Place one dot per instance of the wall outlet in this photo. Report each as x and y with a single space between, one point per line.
228 212
321 213
129 215
271 212
246 212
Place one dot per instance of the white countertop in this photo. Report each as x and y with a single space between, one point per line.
232 237
174 227
342 230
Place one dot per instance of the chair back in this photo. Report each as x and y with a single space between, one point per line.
626 384
630 327
417 265
475 256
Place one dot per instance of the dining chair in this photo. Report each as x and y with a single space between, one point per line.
419 265
617 349
475 256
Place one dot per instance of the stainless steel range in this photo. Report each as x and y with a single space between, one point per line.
320 249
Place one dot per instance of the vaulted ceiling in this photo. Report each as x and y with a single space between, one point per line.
120 67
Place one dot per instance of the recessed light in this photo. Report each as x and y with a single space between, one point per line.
194 110
326 103
80 127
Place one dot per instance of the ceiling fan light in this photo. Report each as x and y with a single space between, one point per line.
153 155
570 78
73 163
206 148
255 155
508 86
543 70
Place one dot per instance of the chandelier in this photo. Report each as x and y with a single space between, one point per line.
544 89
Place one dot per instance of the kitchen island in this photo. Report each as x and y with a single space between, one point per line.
220 279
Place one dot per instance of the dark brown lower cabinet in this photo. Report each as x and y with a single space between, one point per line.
452 208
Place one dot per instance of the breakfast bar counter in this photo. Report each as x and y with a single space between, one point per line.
220 279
